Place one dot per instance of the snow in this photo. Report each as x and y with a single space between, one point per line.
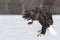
14 27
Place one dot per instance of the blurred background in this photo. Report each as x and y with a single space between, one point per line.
14 27
17 7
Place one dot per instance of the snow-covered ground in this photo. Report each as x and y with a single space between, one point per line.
14 27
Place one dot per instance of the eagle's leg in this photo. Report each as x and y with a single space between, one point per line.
43 29
40 31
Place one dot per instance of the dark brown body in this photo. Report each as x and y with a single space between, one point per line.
44 16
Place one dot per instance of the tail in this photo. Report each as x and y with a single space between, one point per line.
52 31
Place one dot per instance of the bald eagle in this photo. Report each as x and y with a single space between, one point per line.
43 15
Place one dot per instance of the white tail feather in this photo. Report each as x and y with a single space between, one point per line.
52 31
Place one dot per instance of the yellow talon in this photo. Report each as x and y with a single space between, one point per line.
39 33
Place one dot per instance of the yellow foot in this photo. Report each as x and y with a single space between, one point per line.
39 33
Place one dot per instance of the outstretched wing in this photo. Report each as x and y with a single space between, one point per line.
32 14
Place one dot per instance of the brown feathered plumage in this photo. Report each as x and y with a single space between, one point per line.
44 16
